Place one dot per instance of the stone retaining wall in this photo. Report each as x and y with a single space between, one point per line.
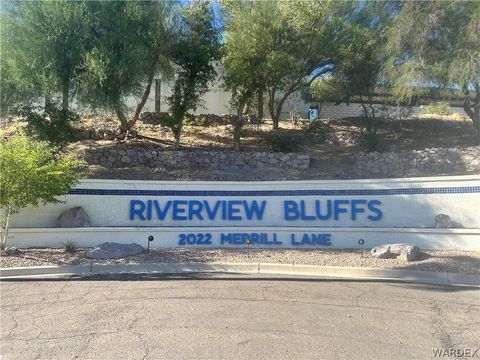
347 138
417 162
132 157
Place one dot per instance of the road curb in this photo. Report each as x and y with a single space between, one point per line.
336 272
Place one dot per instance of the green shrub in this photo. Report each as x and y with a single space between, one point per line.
70 247
155 118
206 120
194 120
32 173
284 142
438 108
316 127
53 124
373 141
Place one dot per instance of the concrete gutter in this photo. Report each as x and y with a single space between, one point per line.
333 272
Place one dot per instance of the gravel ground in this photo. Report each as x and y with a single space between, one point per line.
451 261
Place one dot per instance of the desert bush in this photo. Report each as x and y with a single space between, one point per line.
53 124
438 108
70 247
372 141
155 118
207 120
316 127
284 142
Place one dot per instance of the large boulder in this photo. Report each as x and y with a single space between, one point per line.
74 217
112 250
407 252
11 250
443 221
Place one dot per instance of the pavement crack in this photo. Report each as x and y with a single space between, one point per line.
13 329
439 330
245 342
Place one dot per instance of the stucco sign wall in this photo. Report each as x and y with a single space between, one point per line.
268 214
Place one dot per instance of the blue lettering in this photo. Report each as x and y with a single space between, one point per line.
211 213
233 210
337 210
254 210
327 239
275 240
321 239
224 238
195 208
356 209
224 210
137 207
306 239
312 240
178 210
303 211
294 243
237 239
162 213
149 209
291 210
329 210
377 211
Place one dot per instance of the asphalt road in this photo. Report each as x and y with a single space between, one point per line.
235 317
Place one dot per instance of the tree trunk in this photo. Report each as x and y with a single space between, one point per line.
142 102
474 114
260 105
158 95
124 126
278 112
5 224
178 134
237 126
65 93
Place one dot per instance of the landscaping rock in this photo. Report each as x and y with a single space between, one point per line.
112 250
406 252
443 221
74 217
11 250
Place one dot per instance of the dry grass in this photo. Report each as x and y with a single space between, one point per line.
452 117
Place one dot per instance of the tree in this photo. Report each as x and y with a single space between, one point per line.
194 53
303 42
32 173
289 44
43 46
358 62
436 44
328 88
132 40
360 59
242 63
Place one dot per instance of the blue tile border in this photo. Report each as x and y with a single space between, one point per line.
260 193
